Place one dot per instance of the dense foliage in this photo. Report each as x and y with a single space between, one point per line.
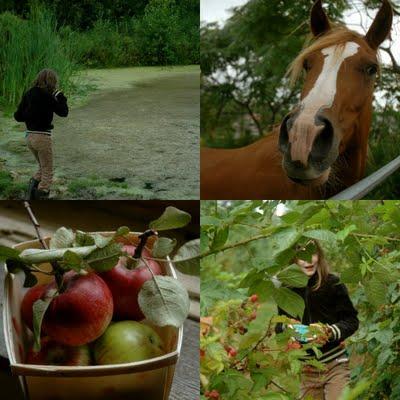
245 90
247 247
68 36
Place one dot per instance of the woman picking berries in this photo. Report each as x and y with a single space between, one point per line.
329 318
36 109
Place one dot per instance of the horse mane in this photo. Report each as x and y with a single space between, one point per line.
338 35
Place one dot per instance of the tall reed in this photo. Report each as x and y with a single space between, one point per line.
26 47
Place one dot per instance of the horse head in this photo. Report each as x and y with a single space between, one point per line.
336 100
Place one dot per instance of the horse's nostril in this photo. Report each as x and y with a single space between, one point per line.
323 142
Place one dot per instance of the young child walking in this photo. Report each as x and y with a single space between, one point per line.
36 109
329 310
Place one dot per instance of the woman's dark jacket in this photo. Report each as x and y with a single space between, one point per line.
37 107
331 305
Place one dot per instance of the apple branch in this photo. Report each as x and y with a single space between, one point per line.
58 272
35 224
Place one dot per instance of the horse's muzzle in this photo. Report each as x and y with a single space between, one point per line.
308 149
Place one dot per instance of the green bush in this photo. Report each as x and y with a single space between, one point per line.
28 46
161 36
105 45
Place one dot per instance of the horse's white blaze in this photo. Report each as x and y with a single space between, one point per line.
323 93
321 96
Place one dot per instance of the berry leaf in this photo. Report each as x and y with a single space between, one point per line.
186 259
292 276
164 301
39 309
172 218
163 246
289 301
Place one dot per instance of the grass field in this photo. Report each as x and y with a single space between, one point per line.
134 136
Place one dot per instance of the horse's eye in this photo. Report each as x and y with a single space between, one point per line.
371 69
306 65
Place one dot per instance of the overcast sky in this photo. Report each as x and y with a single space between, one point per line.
219 11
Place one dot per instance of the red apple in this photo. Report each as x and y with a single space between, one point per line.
33 294
125 284
79 315
52 353
127 341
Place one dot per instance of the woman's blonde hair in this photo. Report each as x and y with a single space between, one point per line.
323 269
46 79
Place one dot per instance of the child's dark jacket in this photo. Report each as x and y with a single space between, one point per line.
37 107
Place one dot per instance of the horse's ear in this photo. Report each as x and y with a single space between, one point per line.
319 20
381 26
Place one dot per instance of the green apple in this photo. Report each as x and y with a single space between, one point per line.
127 341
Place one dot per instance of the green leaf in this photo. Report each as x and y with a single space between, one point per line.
220 237
204 241
37 256
39 309
62 239
289 301
71 261
375 292
102 241
106 258
163 246
321 234
208 220
293 276
187 259
281 241
351 275
7 253
83 239
342 235
172 218
122 231
164 301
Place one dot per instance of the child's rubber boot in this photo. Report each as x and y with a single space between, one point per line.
32 186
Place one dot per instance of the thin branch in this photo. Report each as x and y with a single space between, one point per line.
36 224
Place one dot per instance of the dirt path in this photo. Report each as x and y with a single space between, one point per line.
137 136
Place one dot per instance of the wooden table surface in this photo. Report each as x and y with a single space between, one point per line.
14 228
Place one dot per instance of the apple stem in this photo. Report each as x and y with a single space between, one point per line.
143 240
148 267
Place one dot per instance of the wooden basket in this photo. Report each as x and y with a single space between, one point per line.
149 379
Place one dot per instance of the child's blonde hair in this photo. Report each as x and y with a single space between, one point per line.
46 79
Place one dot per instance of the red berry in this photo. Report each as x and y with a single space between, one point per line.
253 298
232 352
214 394
253 315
